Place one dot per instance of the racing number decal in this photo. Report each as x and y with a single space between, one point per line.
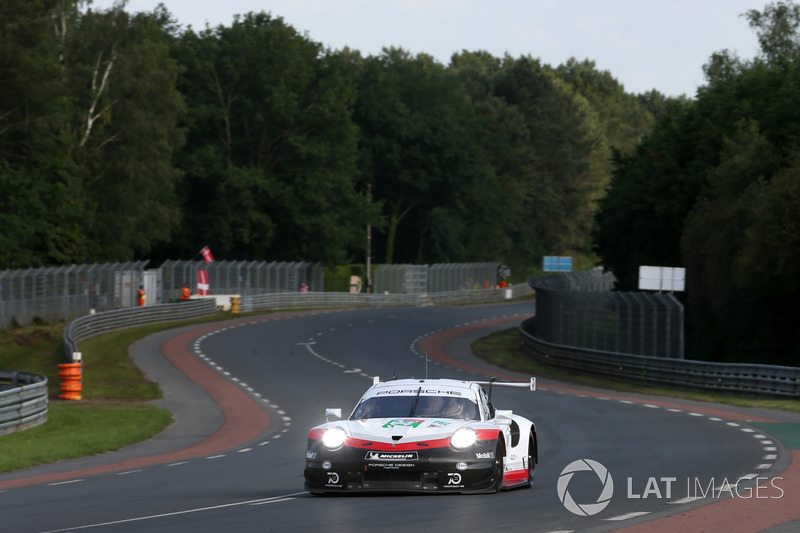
333 478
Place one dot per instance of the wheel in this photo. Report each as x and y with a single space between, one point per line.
531 459
499 463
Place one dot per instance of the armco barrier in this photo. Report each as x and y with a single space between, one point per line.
742 379
90 325
23 400
343 299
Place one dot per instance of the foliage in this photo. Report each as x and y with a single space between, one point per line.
713 187
124 136
270 163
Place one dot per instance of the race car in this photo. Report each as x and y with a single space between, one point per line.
423 435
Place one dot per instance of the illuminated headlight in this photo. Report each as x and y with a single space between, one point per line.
334 438
463 438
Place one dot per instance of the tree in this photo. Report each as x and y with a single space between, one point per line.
713 187
124 126
566 174
271 147
418 149
777 30
40 223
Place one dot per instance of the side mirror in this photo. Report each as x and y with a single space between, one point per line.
503 418
332 415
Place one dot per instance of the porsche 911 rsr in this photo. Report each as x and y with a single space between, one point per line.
422 435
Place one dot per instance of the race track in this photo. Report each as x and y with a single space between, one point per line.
234 459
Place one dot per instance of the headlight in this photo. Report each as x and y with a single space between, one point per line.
463 438
334 438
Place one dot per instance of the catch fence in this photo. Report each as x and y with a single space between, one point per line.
440 277
243 278
62 293
580 310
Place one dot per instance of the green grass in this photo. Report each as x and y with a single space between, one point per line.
80 429
502 349
114 411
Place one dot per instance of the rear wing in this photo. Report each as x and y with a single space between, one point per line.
495 383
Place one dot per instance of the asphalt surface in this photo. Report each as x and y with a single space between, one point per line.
245 394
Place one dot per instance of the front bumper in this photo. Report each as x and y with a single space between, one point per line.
440 470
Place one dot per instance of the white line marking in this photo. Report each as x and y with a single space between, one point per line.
273 501
176 513
626 516
65 482
688 499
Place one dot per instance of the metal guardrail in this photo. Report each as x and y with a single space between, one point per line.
90 325
23 403
342 299
742 379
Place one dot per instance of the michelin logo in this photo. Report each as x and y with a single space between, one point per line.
389 456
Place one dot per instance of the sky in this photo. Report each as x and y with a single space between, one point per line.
644 44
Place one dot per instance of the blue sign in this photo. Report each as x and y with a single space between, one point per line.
557 264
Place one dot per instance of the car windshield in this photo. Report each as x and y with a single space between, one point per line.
419 406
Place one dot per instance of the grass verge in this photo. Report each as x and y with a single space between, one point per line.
114 412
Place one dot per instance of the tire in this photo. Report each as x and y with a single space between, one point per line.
499 463
531 460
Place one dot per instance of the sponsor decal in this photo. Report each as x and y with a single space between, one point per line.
403 422
326 465
484 455
391 456
333 480
311 455
454 481
439 424
417 391
389 466
461 465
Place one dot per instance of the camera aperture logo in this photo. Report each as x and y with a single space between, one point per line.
604 478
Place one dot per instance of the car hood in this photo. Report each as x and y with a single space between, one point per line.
403 429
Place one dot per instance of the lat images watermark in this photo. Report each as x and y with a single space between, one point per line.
667 488
604 478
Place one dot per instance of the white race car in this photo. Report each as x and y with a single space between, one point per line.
423 435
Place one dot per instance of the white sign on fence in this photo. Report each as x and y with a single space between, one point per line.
662 279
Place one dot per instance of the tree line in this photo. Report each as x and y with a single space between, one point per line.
715 187
126 136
